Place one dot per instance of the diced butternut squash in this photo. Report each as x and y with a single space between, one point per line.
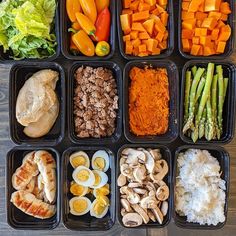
126 3
211 5
126 38
142 48
158 10
198 23
224 17
186 45
164 18
201 15
159 26
220 47
134 34
166 34
163 45
136 42
225 33
127 11
209 23
149 26
194 49
187 15
125 22
194 5
139 16
208 51
189 24
151 2
215 34
144 6
200 51
205 40
220 24
156 51
196 40
128 48
185 5
134 5
143 54
138 27
162 2
143 35
160 36
187 34
225 8
215 14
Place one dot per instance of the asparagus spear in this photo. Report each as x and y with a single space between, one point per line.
226 81
210 124
186 96
200 87
214 104
193 89
194 70
202 124
204 97
220 99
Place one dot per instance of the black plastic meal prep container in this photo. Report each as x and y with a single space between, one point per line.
19 73
166 155
15 217
6 57
86 222
65 24
173 78
165 53
223 158
229 70
229 45
71 86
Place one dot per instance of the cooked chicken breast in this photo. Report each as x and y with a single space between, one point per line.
31 185
30 205
47 165
23 175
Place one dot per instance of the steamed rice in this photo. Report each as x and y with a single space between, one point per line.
199 190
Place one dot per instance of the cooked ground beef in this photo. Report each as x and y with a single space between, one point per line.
95 102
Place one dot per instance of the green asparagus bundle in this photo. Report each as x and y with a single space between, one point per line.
205 92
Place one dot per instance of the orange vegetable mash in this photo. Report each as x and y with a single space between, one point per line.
148 101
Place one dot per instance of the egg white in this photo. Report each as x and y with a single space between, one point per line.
103 154
80 153
92 213
72 211
104 179
88 183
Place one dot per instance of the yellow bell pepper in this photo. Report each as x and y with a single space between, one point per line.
89 9
72 6
102 4
85 23
84 43
102 49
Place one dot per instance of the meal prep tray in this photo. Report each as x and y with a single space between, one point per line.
116 62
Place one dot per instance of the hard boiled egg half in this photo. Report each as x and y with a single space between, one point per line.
100 179
105 190
79 205
84 176
79 159
100 161
78 190
99 207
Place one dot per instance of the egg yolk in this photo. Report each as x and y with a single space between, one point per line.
98 208
78 161
99 163
80 205
103 190
76 189
103 200
97 179
83 175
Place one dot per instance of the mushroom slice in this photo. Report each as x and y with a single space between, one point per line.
126 171
123 212
133 155
160 170
141 212
123 196
164 208
126 205
150 186
149 163
162 193
122 160
155 154
140 190
151 215
140 173
121 181
157 213
132 220
152 193
134 185
148 202
123 189
133 198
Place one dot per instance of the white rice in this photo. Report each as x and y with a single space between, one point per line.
199 190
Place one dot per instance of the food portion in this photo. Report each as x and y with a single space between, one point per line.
148 101
90 27
144 26
37 105
35 181
95 102
205 28
144 193
90 188
204 97
27 28
199 189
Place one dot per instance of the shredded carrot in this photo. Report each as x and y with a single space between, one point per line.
148 101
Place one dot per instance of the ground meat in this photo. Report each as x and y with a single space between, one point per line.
95 102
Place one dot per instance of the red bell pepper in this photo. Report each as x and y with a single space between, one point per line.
103 24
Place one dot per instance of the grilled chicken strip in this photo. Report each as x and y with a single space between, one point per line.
47 165
30 205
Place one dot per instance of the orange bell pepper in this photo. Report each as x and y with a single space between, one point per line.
84 43
72 6
85 23
89 9
102 4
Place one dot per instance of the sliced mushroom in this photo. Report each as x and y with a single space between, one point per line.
123 189
134 185
150 186
150 163
162 193
122 160
126 170
140 173
126 205
160 170
141 212
148 203
164 208
123 196
123 212
152 193
121 181
155 154
157 213
133 155
132 220
133 198
140 190
151 215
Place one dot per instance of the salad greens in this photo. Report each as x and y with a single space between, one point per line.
25 28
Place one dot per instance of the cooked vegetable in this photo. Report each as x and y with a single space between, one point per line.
102 4
205 119
102 49
72 7
148 101
85 23
84 43
89 9
205 31
103 24
26 28
144 23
